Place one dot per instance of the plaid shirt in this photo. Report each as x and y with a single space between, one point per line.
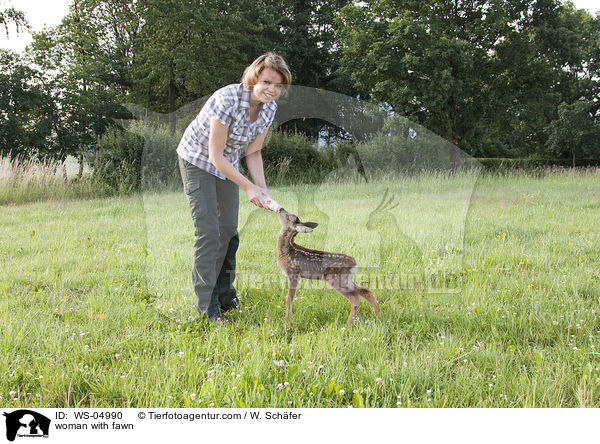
231 106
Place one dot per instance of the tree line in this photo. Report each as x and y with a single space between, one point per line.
499 78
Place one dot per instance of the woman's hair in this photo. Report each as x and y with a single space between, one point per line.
267 60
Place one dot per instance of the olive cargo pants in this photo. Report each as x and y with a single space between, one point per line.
214 205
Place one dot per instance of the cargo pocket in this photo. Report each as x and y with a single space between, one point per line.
190 175
190 187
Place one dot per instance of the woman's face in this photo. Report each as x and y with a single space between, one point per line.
268 86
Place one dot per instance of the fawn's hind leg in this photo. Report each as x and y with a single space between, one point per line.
292 288
344 285
354 299
366 293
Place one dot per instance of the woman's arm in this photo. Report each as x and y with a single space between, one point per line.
254 161
216 147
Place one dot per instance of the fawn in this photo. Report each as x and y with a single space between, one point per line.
336 269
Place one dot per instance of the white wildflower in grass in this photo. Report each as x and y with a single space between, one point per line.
398 403
212 404
475 348
12 394
364 339
286 384
428 391
117 356
554 322
280 386
342 392
379 381
405 364
193 396
180 354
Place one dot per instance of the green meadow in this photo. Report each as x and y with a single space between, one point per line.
488 286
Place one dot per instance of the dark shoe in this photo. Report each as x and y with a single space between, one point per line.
235 303
220 320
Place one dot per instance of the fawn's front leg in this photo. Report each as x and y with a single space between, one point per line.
292 287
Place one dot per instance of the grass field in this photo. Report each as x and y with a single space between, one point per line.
96 304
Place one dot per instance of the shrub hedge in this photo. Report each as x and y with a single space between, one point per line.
144 157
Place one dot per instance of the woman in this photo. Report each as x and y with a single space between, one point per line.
235 117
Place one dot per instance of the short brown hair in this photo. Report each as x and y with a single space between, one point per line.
267 60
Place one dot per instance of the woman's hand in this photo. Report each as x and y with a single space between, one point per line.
255 195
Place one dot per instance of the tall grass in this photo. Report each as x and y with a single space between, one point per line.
30 180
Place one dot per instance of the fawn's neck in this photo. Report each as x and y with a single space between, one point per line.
285 241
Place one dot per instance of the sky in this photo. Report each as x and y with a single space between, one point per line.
42 13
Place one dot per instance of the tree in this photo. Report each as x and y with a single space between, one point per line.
189 48
14 16
555 50
307 39
26 110
473 71
86 60
433 61
576 132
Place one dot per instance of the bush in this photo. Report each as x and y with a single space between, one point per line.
500 164
159 161
385 154
142 157
117 160
292 158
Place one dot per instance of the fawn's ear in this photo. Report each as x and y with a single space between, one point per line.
306 227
